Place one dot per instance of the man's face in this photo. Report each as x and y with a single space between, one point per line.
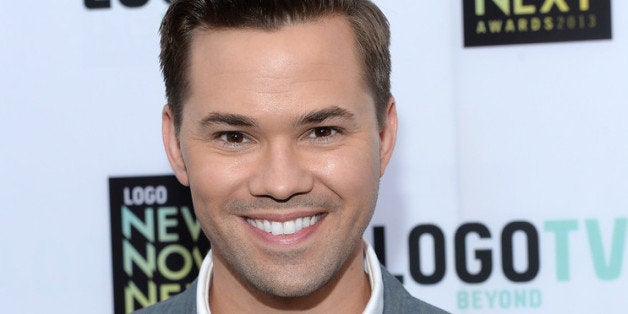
280 146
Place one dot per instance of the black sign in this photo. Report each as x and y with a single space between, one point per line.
157 243
502 22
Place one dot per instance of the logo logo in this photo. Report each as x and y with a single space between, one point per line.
480 254
502 22
157 243
105 4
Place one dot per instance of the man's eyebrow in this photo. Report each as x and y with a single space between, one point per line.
227 118
324 114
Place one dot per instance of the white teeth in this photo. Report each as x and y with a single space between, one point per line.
277 228
288 227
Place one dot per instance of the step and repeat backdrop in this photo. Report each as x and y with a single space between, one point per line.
507 193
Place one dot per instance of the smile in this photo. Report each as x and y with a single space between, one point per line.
284 228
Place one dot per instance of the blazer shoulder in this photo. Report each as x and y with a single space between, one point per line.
184 302
398 300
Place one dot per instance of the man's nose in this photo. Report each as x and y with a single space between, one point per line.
281 172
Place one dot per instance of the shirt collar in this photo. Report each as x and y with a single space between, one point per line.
375 304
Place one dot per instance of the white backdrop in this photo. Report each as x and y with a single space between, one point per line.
489 135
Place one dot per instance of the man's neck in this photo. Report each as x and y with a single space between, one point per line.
347 292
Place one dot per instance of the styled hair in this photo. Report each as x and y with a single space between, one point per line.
370 27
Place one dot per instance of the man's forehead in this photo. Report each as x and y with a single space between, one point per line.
332 19
301 70
281 58
327 35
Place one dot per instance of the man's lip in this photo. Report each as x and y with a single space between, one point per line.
282 217
281 238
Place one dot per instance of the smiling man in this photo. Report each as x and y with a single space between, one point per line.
281 121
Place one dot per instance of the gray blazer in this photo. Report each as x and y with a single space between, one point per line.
396 300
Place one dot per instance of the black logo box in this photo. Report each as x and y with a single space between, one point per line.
504 22
159 238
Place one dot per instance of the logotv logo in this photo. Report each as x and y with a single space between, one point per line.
501 22
482 250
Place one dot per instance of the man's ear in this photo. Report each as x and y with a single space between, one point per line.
388 135
173 146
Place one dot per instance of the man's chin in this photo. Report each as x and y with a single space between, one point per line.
292 285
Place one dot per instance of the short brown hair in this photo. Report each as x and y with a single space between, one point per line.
370 27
